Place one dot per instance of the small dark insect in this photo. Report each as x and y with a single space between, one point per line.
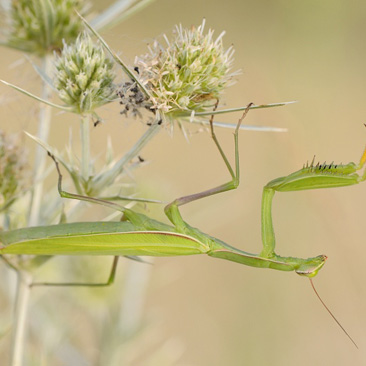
132 98
158 123
141 160
137 69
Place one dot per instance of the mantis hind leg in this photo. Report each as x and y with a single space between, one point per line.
135 218
172 209
109 282
104 201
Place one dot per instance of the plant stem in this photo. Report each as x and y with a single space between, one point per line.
136 282
85 147
108 177
25 278
40 157
20 317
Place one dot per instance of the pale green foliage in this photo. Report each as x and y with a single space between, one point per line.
84 77
14 171
189 73
40 26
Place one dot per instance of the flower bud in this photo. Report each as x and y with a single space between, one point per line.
84 76
40 26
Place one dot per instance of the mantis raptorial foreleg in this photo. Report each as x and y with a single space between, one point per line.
309 177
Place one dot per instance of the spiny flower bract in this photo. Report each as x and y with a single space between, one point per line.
189 73
84 76
40 26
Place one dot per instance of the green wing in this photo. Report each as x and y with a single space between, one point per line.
98 238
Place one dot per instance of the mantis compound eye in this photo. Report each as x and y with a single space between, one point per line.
311 268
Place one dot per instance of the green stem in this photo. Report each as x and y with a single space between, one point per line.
41 155
136 281
85 147
24 278
20 317
107 178
117 13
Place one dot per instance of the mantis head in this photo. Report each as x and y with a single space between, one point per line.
311 267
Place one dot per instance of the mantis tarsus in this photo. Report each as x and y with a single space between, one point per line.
140 235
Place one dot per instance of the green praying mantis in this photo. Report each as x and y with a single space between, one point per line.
140 235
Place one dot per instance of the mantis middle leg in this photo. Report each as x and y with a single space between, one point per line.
172 209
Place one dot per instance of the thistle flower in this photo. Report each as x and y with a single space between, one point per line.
14 171
84 77
40 26
189 73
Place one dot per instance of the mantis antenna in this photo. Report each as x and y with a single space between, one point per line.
331 314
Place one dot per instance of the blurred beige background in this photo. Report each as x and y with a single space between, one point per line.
200 311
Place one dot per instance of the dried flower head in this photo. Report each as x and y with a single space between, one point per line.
40 26
14 171
189 73
84 77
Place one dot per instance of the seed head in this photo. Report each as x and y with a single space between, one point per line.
189 73
14 171
84 75
40 26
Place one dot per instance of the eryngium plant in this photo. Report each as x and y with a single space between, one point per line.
189 73
84 77
14 171
40 26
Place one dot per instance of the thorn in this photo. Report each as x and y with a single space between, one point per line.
312 163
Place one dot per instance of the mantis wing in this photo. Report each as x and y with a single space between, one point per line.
98 238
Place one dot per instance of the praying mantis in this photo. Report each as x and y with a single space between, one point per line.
140 235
